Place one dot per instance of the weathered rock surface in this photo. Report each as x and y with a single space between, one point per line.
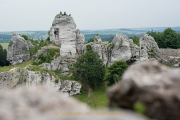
43 50
148 43
18 77
18 50
54 65
156 86
64 70
121 48
63 33
40 103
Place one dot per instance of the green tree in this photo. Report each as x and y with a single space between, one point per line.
116 71
166 39
3 54
25 37
90 40
90 68
170 38
135 40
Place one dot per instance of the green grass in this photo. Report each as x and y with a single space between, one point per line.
7 68
5 45
105 42
71 77
100 100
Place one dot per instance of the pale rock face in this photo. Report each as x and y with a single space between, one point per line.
154 85
63 30
18 51
24 77
97 40
149 44
54 65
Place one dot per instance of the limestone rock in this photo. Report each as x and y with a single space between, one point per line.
19 77
97 40
63 30
64 70
152 84
18 50
148 43
41 103
54 65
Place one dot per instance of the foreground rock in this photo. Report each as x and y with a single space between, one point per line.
156 86
40 103
18 77
18 50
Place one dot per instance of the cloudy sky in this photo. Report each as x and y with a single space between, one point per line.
22 15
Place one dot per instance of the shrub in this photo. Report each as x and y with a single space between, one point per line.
90 68
116 71
25 37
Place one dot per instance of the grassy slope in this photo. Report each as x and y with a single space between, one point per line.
7 68
5 45
100 100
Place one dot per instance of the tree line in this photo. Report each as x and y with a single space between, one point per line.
3 54
169 38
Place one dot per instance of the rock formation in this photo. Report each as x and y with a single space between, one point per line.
54 65
18 77
40 103
63 33
121 48
152 84
18 50
148 43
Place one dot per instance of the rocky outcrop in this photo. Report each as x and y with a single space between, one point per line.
64 70
121 48
63 33
54 65
43 50
155 86
18 50
149 44
40 103
18 77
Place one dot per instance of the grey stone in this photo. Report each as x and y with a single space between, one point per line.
154 85
24 77
18 50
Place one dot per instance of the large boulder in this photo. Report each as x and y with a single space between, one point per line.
18 50
152 84
41 103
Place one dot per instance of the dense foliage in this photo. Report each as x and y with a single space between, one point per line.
3 54
166 39
90 68
135 40
116 71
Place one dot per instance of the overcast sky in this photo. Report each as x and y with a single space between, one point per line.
22 15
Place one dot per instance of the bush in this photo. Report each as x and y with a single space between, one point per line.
116 71
25 37
90 69
90 40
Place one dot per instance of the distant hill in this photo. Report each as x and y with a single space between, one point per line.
106 34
